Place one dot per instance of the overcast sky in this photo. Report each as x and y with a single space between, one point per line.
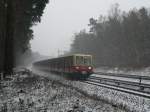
63 18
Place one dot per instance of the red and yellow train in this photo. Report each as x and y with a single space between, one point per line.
73 66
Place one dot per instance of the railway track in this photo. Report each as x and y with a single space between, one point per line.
132 84
124 75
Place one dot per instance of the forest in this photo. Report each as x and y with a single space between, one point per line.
16 20
120 39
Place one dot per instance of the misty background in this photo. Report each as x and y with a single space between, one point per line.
61 19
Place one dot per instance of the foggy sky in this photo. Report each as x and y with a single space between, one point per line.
63 18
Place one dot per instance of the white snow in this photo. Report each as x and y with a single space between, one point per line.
38 94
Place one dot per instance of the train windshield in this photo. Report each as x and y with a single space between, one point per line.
83 60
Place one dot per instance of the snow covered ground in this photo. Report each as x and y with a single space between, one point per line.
126 101
122 100
32 93
48 93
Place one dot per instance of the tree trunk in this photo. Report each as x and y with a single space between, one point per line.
8 61
2 33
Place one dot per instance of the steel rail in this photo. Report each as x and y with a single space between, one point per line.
139 84
124 75
124 87
130 91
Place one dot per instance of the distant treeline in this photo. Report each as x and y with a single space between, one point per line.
16 20
121 39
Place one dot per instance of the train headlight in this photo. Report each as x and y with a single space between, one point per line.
77 67
89 68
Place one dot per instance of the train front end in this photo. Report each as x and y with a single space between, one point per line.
82 66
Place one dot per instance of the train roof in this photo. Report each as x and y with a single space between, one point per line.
75 55
62 57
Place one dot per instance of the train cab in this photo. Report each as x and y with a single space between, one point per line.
83 64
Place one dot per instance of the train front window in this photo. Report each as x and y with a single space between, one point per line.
83 60
79 60
87 60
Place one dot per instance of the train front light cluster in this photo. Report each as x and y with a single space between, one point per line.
77 67
89 68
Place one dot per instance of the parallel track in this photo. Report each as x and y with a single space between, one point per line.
135 88
138 84
124 75
141 94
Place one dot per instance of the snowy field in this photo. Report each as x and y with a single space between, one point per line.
121 100
32 93
47 92
127 101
